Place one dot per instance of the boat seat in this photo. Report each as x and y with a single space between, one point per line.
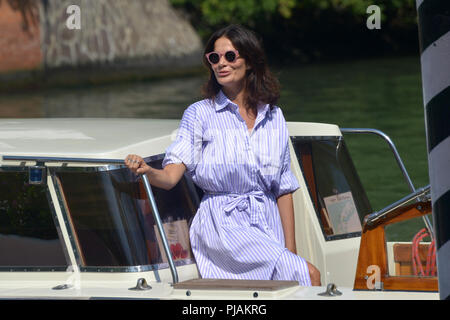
403 258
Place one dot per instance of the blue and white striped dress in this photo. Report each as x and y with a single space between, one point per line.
237 231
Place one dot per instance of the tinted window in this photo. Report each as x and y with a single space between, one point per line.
28 236
113 221
334 186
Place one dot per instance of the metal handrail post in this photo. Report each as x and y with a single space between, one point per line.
399 162
391 145
156 216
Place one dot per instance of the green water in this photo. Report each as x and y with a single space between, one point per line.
384 94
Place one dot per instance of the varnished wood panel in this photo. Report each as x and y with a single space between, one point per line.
373 252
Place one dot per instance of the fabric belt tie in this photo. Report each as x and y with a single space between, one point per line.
244 202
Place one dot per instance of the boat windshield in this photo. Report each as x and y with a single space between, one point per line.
112 221
29 238
333 184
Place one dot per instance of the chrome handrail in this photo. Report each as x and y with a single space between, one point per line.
391 145
399 162
148 190
372 218
147 187
64 160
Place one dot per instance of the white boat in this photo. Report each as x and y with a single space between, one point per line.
75 223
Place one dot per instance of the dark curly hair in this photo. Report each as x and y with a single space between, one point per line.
261 86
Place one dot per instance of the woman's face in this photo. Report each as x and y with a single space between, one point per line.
230 75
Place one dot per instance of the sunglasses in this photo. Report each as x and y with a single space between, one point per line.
214 57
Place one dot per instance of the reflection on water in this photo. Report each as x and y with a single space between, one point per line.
164 99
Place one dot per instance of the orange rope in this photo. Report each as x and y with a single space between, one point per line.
430 268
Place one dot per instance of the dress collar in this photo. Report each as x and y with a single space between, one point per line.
221 101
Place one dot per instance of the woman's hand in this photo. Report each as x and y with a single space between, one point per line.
165 178
137 164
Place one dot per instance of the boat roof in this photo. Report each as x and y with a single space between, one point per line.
80 137
101 138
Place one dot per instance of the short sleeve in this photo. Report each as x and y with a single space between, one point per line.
288 182
186 148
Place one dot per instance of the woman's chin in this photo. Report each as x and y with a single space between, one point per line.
229 83
224 80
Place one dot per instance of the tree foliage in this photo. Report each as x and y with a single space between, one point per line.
214 12
309 28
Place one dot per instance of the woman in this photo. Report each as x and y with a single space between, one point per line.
234 144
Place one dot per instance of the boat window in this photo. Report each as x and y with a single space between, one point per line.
112 218
28 234
333 184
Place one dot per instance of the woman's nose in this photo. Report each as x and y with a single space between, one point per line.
222 60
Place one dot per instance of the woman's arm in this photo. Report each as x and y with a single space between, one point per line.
165 178
286 209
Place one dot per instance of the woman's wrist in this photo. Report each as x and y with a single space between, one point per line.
292 247
149 171
159 178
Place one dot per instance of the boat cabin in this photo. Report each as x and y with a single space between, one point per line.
72 216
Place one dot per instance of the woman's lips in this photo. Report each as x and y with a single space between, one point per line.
223 73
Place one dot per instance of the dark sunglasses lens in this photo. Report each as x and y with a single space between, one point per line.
213 58
230 56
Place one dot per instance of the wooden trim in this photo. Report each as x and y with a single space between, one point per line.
413 210
403 257
410 283
373 252
308 171
402 252
306 158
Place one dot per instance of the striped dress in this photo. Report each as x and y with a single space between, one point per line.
237 231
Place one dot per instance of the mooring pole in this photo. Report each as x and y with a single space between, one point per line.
434 37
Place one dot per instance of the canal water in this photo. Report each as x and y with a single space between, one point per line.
384 94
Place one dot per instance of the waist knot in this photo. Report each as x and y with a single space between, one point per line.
250 202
